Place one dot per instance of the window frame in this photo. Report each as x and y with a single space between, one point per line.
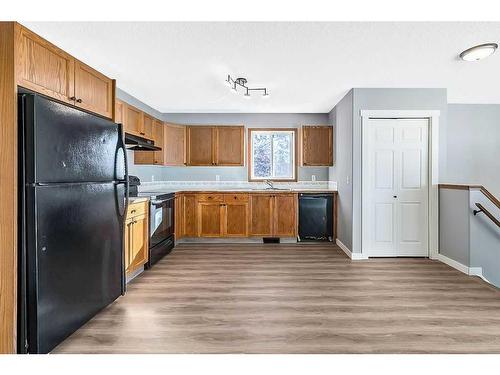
295 154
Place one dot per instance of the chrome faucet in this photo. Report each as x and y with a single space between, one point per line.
269 183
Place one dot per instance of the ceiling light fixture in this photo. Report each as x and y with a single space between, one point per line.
243 83
479 52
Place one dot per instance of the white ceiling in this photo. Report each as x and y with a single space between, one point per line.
308 67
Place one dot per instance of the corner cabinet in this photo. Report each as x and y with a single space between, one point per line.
136 237
45 68
317 145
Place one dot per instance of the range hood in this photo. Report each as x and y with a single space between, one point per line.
134 142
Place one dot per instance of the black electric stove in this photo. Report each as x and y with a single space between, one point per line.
161 224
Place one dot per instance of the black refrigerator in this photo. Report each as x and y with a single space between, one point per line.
72 201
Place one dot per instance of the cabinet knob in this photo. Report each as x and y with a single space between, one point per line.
72 98
79 100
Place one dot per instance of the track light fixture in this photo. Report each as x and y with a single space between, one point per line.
242 82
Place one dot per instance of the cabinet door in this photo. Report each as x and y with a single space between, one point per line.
158 137
133 120
200 149
151 157
189 215
175 144
285 215
261 215
178 216
93 90
128 243
44 68
140 237
235 217
119 108
230 145
210 219
147 127
317 145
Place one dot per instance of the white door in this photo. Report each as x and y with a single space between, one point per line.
395 187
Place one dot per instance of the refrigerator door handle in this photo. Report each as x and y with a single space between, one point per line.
121 145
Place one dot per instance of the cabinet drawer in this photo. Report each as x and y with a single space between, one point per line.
210 197
135 209
237 197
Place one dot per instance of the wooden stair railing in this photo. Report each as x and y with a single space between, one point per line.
485 192
487 213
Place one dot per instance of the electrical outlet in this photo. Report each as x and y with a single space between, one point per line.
153 178
313 177
348 180
217 177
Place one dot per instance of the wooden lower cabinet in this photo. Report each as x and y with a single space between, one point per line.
236 215
189 215
273 215
210 219
136 237
261 211
285 215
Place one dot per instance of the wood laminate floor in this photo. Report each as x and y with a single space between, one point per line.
294 298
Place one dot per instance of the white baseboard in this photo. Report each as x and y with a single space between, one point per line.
452 263
476 271
349 253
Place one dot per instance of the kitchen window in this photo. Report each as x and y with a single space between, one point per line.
272 154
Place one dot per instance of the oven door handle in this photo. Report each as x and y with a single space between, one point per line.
156 203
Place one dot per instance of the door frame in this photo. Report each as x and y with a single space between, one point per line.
433 169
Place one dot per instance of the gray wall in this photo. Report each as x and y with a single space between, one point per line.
473 145
484 238
391 99
454 234
341 117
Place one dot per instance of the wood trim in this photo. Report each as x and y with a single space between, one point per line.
454 187
8 189
483 190
249 154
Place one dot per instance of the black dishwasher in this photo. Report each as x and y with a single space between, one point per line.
315 217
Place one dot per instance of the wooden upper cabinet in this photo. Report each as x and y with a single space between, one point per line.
159 139
230 144
152 157
44 68
285 215
261 214
147 127
133 119
93 90
119 111
47 69
200 145
317 145
174 144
